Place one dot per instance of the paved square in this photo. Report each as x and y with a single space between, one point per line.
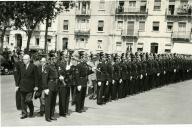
167 105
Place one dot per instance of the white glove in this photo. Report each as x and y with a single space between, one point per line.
107 83
16 88
187 70
113 81
36 88
68 67
141 77
61 77
146 74
164 72
120 81
99 83
158 74
174 70
46 91
131 77
79 87
94 68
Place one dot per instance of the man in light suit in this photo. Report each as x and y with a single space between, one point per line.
27 83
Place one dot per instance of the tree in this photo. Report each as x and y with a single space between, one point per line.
7 9
52 9
27 16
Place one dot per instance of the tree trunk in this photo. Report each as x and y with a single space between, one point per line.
2 40
29 34
46 34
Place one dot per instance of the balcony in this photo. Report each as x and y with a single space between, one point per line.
181 36
82 32
129 33
181 12
83 12
131 11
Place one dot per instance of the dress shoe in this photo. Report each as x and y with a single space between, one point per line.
53 118
48 120
79 111
23 117
63 115
31 114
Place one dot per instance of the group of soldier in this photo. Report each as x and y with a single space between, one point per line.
110 77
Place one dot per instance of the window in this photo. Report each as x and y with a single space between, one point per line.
100 25
49 23
48 41
118 46
169 26
119 24
168 50
157 4
132 3
65 25
37 41
65 43
82 43
155 26
102 4
182 26
99 44
129 47
142 26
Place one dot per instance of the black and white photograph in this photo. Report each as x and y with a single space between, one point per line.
96 62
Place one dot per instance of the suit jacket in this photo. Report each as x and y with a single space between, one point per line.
28 78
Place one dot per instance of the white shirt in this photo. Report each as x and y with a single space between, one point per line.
27 65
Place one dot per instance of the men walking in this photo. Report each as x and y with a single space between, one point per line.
27 83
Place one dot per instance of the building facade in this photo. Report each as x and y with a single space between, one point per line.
157 26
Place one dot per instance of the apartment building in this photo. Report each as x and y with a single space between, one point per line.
157 26
18 39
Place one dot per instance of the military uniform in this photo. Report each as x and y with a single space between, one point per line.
101 75
82 79
116 78
51 76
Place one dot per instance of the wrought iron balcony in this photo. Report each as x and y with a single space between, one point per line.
82 32
131 10
179 12
181 35
129 33
83 12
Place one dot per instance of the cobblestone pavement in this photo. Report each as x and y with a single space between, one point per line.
167 105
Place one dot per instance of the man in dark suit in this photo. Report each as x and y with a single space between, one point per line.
27 83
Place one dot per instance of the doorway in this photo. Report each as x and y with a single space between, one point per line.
154 47
18 39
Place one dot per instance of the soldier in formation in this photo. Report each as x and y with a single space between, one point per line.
112 76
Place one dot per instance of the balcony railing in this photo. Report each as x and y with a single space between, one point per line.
129 33
179 12
83 12
186 35
130 10
85 32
